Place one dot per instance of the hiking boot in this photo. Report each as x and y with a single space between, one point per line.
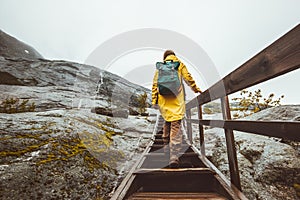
174 163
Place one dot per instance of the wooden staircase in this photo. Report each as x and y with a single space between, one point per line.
197 177
152 178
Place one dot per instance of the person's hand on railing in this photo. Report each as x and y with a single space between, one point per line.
198 91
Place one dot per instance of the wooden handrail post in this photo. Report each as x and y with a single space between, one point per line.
189 126
230 143
201 130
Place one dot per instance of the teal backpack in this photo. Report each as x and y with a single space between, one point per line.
168 80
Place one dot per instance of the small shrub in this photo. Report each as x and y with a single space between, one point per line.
15 105
252 102
142 102
207 110
214 107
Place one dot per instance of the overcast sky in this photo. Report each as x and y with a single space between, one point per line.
229 31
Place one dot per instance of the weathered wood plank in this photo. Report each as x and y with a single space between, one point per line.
230 144
186 154
201 131
189 126
160 146
279 58
281 129
170 171
175 195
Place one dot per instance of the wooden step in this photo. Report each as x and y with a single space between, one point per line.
165 164
161 160
159 147
187 154
175 180
171 172
175 195
157 158
161 141
158 141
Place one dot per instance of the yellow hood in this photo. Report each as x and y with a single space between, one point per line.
172 57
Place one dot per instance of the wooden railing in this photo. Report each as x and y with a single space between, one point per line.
279 58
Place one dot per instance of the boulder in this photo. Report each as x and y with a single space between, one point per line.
123 113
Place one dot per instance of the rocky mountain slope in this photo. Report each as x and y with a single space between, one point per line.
52 146
62 84
11 47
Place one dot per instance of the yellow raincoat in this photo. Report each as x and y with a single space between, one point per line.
173 108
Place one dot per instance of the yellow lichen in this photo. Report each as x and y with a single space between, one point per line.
297 188
12 105
89 145
18 153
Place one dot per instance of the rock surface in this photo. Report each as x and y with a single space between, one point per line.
61 84
67 154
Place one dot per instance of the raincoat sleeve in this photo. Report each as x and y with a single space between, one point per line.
189 79
155 89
